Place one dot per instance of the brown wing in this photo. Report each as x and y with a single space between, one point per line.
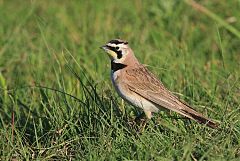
143 82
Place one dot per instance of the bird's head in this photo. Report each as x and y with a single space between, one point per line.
118 51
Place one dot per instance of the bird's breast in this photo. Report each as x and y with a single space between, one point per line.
129 96
116 81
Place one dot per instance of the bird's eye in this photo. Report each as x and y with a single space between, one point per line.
117 48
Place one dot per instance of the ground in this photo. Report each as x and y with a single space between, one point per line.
56 98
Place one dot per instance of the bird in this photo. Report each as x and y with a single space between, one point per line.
138 86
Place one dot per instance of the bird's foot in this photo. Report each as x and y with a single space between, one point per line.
141 122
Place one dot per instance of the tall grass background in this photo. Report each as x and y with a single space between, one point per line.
56 98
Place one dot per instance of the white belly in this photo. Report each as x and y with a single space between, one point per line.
132 98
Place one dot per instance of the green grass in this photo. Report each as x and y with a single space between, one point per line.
54 79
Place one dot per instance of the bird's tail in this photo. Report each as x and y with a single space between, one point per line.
192 114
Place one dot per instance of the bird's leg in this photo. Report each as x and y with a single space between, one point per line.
142 119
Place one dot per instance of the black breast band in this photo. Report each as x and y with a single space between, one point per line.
116 66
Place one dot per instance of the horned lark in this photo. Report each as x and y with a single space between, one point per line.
138 86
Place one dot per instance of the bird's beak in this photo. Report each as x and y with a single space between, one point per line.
110 53
104 47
